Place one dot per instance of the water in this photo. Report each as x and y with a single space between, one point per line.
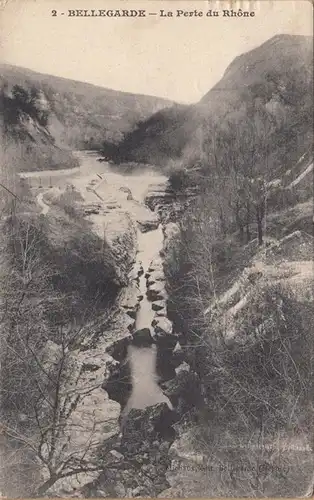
145 389
149 246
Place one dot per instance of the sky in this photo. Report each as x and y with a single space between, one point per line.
179 58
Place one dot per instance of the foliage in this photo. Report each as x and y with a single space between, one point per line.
263 377
49 294
82 115
23 101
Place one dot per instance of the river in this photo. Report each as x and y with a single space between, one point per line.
108 183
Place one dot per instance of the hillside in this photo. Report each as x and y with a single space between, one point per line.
83 115
276 77
26 142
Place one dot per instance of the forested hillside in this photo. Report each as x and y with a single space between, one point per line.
240 274
82 115
275 79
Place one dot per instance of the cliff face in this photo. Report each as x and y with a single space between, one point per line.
27 143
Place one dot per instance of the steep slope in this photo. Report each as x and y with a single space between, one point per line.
82 114
277 76
26 142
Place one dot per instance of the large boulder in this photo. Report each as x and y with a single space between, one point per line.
155 265
148 225
129 299
159 305
118 383
156 291
144 426
184 390
163 333
142 338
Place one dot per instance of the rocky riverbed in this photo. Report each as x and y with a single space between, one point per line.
127 367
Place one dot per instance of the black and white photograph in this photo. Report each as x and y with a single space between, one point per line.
156 249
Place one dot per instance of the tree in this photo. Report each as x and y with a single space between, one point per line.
45 390
241 152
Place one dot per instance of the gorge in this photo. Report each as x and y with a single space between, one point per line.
156 270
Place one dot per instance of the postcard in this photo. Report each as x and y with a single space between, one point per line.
156 249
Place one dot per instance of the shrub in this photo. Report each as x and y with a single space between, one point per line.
262 377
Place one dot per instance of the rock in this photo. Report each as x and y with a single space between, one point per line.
161 314
150 280
163 327
118 384
116 454
140 491
156 265
136 271
148 225
120 489
154 276
90 367
156 291
129 299
164 366
143 338
177 348
130 323
178 357
183 367
118 349
159 195
142 426
184 391
158 305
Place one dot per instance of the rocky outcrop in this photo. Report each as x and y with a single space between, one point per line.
93 415
142 456
156 291
148 225
136 272
143 338
169 205
129 299
171 233
120 233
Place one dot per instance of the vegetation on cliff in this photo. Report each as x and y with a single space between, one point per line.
239 270
276 76
83 116
26 143
57 277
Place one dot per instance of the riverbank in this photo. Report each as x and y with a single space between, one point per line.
115 351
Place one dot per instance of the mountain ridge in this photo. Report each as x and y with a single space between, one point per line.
277 67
